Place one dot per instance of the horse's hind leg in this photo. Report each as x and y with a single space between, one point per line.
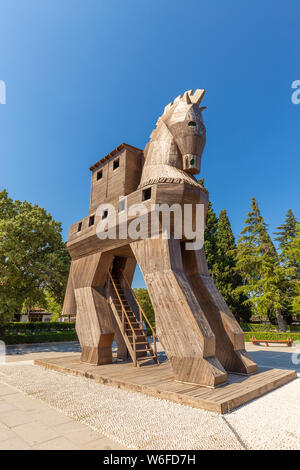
69 307
182 328
94 325
230 346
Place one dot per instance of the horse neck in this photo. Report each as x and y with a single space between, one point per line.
161 156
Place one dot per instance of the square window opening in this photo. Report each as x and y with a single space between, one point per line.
146 194
99 175
79 227
116 164
91 220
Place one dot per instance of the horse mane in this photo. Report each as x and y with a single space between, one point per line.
188 97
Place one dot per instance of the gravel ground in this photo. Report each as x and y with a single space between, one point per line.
140 422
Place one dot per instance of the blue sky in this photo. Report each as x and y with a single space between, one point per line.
84 76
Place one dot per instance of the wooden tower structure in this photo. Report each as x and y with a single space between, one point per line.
197 330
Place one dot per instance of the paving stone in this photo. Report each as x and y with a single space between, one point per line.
15 418
59 443
25 403
6 407
103 444
35 433
84 436
49 417
70 426
6 390
6 433
14 443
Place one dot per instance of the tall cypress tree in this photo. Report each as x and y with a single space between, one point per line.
225 275
210 235
257 262
211 239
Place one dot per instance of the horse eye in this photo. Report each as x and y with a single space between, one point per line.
192 124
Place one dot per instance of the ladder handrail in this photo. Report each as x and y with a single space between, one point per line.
143 314
134 337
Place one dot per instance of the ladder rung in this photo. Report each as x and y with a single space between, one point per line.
145 359
139 335
131 328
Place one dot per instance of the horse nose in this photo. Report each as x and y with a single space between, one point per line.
191 163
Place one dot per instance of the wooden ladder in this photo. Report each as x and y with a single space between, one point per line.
130 326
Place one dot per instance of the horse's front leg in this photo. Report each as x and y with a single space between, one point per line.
230 345
182 328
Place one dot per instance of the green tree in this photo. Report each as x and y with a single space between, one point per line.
286 235
33 256
219 246
210 235
287 231
143 298
291 258
211 239
52 305
265 280
226 277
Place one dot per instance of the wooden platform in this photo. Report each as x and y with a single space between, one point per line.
157 381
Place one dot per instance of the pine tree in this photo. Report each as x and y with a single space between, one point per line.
287 231
292 253
286 235
226 278
257 262
290 261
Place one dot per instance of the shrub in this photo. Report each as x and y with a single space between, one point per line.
46 337
18 327
271 335
267 327
37 332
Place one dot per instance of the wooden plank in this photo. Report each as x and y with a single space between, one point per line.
158 381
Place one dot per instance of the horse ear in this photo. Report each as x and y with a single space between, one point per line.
197 97
186 96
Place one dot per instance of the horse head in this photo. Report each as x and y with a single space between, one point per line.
183 118
174 151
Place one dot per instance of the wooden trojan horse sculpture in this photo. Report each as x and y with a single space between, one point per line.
197 330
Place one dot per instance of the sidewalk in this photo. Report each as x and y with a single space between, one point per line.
26 423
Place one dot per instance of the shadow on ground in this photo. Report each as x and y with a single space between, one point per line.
289 360
72 346
64 347
277 359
